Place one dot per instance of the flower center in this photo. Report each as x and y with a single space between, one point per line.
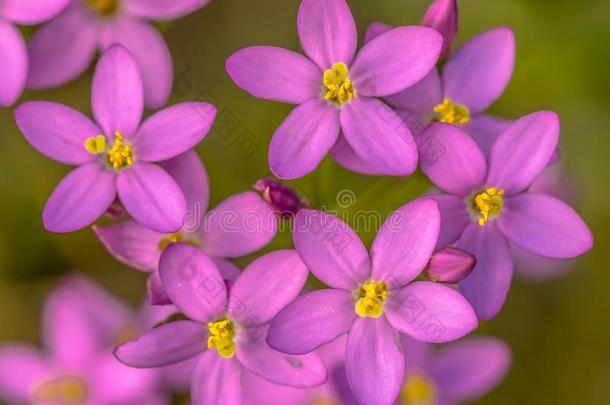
417 390
370 298
488 204
119 155
337 86
105 8
222 333
66 390
452 113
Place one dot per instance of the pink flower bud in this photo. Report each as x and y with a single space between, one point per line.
281 197
442 15
450 265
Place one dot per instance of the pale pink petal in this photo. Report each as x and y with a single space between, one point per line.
13 64
22 368
29 12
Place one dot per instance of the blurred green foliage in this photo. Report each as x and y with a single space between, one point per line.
559 330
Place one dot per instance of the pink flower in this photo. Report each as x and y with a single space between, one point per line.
337 90
63 49
115 155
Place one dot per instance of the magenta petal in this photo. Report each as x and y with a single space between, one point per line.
344 155
430 312
379 136
13 64
311 320
162 9
173 131
405 242
275 74
166 344
522 151
29 12
156 293
331 249
63 48
422 97
454 218
478 72
485 130
152 197
303 139
148 48
57 131
216 381
239 225
374 362
21 369
131 243
544 225
442 15
469 369
192 282
374 30
117 95
487 286
275 279
327 31
294 371
395 60
451 159
80 198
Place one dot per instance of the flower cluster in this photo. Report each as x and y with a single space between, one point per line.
438 265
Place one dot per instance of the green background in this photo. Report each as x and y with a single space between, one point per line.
559 330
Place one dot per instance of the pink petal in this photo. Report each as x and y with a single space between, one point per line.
117 94
344 155
57 131
30 12
22 368
374 361
523 151
454 218
331 249
239 225
535 268
471 368
311 320
156 294
134 384
169 343
62 49
430 312
173 131
378 136
275 279
80 198
544 225
275 74
216 381
442 15
327 31
150 52
192 282
374 30
258 391
405 242
228 270
485 130
131 243
395 60
162 9
451 159
152 197
477 74
13 64
303 139
487 286
422 97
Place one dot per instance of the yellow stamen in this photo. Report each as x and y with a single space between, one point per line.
66 390
337 86
120 155
452 113
96 144
370 298
104 7
177 237
417 390
221 337
322 401
488 204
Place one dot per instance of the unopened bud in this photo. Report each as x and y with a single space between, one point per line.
450 265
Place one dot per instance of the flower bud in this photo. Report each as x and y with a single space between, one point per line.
450 265
281 197
442 15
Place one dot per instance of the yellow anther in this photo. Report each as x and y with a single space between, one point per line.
96 144
417 390
103 7
169 239
370 298
121 154
66 390
488 204
221 337
452 113
337 86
